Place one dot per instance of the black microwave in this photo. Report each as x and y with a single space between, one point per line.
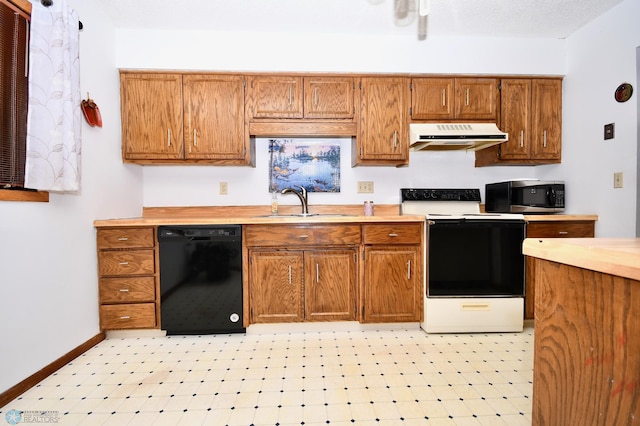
524 196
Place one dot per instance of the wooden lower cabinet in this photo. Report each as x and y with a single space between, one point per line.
550 229
128 283
309 285
392 288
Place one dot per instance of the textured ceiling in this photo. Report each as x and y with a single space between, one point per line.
498 18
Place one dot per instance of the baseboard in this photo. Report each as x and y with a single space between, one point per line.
17 390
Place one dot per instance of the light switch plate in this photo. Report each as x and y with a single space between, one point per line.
609 131
224 188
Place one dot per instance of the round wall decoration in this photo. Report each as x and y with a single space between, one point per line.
623 92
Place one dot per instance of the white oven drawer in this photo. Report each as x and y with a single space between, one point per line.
473 315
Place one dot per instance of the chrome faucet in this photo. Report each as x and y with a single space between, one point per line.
302 196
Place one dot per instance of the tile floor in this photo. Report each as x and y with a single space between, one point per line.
370 376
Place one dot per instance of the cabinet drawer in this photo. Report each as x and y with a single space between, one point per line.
392 233
135 315
131 262
569 229
293 236
117 238
127 290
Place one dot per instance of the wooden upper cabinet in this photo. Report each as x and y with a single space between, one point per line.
546 119
516 118
328 97
384 121
214 117
477 98
151 116
291 97
532 115
454 99
276 97
432 98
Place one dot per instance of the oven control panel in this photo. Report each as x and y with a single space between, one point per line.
425 194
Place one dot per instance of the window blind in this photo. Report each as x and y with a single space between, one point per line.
14 41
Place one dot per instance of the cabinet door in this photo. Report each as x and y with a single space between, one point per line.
329 285
432 98
214 117
151 116
276 97
392 289
327 97
275 286
516 118
561 229
476 98
384 121
546 101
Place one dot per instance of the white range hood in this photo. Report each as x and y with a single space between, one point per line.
455 136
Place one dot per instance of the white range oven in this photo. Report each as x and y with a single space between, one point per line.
475 266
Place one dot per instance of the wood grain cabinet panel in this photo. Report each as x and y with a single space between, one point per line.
214 117
151 107
448 99
128 316
180 118
550 229
383 136
302 272
128 284
531 113
329 97
392 287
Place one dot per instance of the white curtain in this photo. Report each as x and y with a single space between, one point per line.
54 135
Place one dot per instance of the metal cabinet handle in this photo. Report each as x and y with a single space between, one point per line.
563 233
290 275
395 139
125 317
521 138
168 137
317 273
195 137
315 96
544 139
303 236
393 235
123 239
124 263
124 290
409 269
290 95
467 96
444 97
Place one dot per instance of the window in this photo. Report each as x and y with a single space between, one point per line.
14 83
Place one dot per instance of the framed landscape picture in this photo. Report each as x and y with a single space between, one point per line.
312 164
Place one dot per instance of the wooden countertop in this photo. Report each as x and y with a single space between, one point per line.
247 215
559 217
615 256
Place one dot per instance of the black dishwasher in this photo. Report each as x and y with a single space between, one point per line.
201 279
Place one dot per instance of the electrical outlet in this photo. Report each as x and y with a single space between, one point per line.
365 187
224 188
618 181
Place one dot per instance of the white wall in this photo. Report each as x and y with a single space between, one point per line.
600 56
48 280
